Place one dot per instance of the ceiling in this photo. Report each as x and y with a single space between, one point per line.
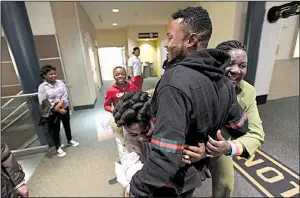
131 13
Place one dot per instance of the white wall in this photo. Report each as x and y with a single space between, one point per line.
110 57
288 36
69 27
267 52
228 20
40 17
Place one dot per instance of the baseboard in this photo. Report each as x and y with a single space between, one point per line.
83 107
261 99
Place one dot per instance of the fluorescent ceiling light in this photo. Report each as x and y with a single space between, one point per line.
114 24
115 10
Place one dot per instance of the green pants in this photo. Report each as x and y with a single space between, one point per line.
222 173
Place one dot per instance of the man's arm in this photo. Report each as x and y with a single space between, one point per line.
246 145
168 142
254 138
237 121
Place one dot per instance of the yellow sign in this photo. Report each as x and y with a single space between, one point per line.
269 176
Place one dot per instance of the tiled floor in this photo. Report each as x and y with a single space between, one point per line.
89 169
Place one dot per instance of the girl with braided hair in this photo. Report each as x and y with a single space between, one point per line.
133 113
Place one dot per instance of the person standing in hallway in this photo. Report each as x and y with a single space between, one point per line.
55 91
113 94
135 69
221 166
12 175
117 90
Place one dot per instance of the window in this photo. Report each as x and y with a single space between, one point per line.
296 51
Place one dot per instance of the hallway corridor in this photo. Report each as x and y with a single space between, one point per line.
88 170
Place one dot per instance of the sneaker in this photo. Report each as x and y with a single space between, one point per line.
73 143
60 152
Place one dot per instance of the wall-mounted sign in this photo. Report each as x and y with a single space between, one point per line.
148 35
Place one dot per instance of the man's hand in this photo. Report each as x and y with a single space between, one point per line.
193 154
217 147
62 111
23 191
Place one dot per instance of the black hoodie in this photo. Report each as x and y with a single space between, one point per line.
193 99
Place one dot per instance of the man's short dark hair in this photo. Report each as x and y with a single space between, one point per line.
195 20
45 69
135 48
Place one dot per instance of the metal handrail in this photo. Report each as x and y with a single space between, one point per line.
13 85
15 119
12 99
14 111
24 95
20 96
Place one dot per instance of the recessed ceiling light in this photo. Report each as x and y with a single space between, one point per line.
114 24
115 10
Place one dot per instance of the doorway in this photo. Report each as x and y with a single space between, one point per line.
150 53
111 57
89 57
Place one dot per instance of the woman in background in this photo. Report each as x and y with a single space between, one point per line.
135 69
56 93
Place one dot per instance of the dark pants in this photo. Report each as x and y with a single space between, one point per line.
171 192
54 127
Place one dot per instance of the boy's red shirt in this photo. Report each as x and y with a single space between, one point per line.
114 93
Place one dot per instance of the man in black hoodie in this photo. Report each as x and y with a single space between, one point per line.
190 103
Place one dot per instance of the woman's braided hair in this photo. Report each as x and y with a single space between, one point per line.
132 107
232 44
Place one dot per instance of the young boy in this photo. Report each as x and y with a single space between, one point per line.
113 94
117 90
